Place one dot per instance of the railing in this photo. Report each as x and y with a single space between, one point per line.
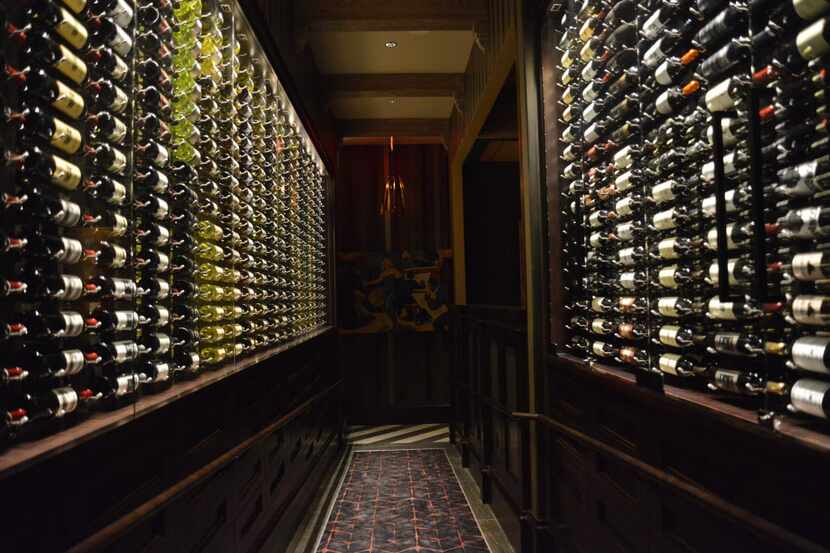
489 384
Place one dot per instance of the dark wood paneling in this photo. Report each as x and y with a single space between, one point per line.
61 500
492 219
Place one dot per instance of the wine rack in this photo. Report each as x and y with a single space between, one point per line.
691 164
164 213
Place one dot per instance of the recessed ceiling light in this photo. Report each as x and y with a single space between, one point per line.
391 44
392 100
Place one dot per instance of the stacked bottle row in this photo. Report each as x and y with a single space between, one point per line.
688 166
162 213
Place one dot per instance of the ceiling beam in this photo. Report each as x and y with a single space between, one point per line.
399 85
363 128
390 15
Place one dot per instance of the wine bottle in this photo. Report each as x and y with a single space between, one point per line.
108 127
34 163
675 98
808 309
105 157
39 45
56 18
37 204
676 364
104 320
154 315
812 42
107 63
107 189
39 363
810 396
675 307
748 383
107 96
675 336
106 32
723 25
120 11
603 349
108 255
732 53
808 222
631 331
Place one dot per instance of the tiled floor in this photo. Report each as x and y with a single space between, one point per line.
310 535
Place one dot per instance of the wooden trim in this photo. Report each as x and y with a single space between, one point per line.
402 85
107 535
383 15
436 128
768 530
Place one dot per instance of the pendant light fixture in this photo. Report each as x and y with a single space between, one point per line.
393 199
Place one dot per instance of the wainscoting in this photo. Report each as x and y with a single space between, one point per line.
229 468
620 468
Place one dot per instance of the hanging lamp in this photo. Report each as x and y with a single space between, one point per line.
393 200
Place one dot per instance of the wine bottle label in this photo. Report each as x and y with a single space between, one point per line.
728 380
810 225
73 361
591 135
124 351
709 204
568 96
590 112
120 70
669 363
809 266
809 353
119 131
807 396
125 384
663 103
587 52
122 289
65 174
628 280
668 335
712 238
654 55
598 326
625 231
811 42
627 304
624 207
567 59
163 236
118 194
623 159
664 220
723 311
72 288
119 162
653 26
626 257
122 14
68 101
718 98
76 6
569 153
163 316
163 344
668 306
120 226
69 214
65 138
589 71
808 10
714 272
595 240
590 92
567 76
594 219
120 102
125 320
71 30
73 324
70 65
66 399
728 342
811 310
664 191
587 29
662 74
599 349
71 251
568 114
666 248
121 41
162 372
597 305
119 257
666 277
624 182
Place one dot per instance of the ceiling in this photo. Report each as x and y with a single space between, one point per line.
407 90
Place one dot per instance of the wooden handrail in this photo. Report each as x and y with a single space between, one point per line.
758 524
108 534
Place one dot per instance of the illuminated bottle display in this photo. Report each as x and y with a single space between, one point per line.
165 211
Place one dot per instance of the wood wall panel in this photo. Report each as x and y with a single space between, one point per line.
61 501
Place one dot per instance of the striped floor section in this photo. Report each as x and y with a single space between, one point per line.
399 434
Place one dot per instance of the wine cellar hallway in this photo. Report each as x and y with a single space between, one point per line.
372 276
